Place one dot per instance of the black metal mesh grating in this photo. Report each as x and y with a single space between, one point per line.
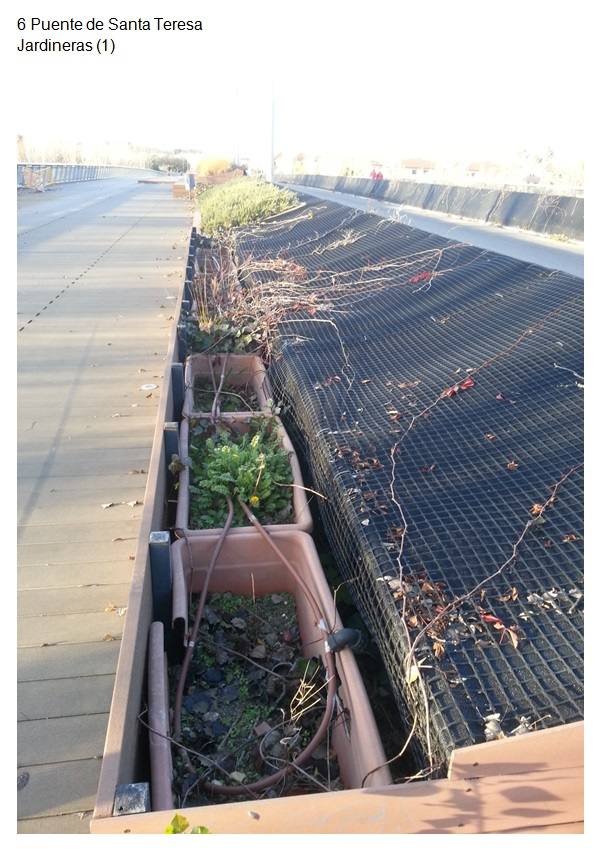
406 315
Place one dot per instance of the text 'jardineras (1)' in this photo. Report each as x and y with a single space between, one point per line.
103 44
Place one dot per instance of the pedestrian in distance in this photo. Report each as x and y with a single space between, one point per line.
190 184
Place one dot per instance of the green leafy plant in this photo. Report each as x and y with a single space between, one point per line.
252 466
240 202
179 824
223 336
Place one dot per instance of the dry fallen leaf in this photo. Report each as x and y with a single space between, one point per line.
109 504
535 509
512 465
438 648
511 596
413 675
262 729
259 651
490 437
514 637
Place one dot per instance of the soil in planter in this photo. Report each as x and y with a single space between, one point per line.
253 702
252 466
232 398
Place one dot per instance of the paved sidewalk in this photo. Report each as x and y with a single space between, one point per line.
99 269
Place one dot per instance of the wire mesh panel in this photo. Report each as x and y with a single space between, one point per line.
436 391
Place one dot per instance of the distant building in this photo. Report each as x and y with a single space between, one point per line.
416 167
484 170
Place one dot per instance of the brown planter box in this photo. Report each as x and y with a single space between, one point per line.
302 520
242 371
531 783
247 565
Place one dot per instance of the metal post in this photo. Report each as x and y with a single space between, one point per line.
178 389
159 555
270 177
181 337
171 445
171 449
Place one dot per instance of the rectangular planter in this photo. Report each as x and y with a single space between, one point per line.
302 520
248 566
242 371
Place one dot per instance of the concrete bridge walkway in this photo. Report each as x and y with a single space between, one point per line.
100 265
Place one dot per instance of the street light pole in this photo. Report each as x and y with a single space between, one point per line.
237 121
271 175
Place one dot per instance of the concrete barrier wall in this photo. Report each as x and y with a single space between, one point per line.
541 213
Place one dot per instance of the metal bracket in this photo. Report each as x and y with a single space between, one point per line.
178 389
181 340
131 798
171 440
159 555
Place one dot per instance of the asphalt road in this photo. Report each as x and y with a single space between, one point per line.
567 257
99 268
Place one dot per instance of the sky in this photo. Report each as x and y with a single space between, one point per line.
437 80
